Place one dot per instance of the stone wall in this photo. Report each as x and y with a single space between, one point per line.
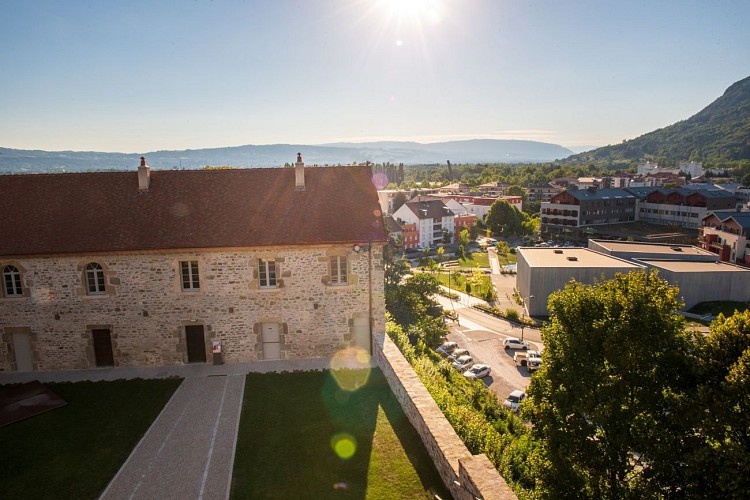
147 311
467 476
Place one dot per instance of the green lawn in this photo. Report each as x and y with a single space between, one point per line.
475 259
74 451
458 283
302 436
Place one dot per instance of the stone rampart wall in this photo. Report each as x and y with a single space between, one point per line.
467 476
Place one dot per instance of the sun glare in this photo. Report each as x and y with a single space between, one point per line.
414 10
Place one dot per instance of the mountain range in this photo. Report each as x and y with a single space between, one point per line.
719 132
470 151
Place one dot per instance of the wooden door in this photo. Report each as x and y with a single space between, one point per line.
103 355
196 344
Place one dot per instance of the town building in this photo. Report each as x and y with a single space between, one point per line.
727 234
171 266
695 271
587 207
433 221
544 191
542 271
680 207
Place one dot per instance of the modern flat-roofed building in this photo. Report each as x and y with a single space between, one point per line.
543 270
704 281
630 250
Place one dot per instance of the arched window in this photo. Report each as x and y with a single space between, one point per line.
12 282
94 279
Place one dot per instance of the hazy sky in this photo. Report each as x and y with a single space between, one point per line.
135 76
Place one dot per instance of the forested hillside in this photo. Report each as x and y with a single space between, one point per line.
718 133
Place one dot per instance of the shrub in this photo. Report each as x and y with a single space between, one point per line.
512 314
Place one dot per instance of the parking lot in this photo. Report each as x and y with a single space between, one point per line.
487 348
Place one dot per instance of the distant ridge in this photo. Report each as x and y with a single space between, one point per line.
275 155
719 132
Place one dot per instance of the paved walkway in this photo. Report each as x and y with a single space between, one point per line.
188 452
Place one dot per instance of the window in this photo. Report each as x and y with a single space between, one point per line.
94 279
189 273
12 282
338 270
267 273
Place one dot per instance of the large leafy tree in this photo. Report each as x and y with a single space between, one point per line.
505 219
606 404
719 467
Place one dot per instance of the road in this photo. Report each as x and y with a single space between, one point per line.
483 336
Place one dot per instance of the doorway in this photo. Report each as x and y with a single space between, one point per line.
22 349
271 340
103 355
196 344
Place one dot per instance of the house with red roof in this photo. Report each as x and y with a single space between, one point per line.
160 267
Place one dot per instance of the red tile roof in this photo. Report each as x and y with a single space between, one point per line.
104 211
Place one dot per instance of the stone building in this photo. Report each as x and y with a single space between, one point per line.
159 267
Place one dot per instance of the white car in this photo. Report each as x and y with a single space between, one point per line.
477 371
514 400
463 363
515 343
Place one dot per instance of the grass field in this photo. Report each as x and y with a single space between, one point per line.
74 451
302 436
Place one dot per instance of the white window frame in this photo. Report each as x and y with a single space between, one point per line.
94 274
339 270
267 273
12 286
190 276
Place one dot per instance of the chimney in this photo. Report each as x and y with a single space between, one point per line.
299 173
144 177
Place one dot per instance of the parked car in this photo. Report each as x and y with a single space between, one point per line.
520 358
514 400
477 371
533 364
445 349
515 343
463 363
457 353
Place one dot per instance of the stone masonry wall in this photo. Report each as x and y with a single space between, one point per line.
147 311
467 476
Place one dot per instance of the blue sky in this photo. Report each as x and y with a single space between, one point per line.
134 76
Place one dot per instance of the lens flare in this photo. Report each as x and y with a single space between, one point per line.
350 368
380 180
344 445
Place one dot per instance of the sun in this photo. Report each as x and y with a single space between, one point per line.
414 10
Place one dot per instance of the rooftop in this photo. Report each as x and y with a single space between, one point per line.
679 266
106 211
653 248
572 257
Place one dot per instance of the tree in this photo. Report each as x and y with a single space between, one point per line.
464 237
398 200
719 466
440 253
608 402
503 218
